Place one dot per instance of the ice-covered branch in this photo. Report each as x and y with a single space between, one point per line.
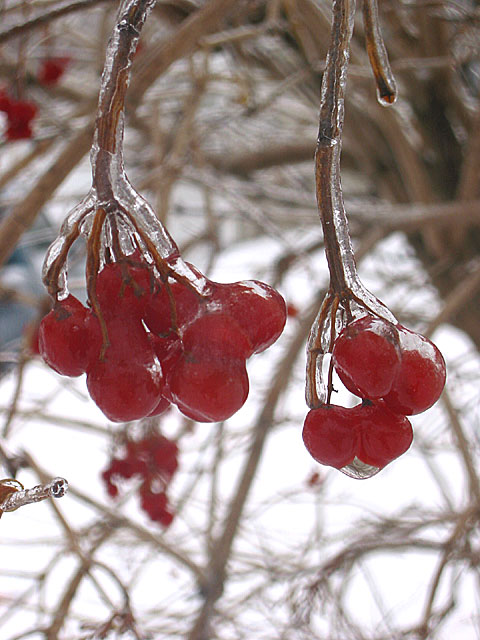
18 497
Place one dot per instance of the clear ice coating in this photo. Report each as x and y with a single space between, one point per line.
112 196
19 497
359 470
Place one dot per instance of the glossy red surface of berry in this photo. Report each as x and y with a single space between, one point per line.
162 405
421 376
128 340
62 337
123 289
383 435
167 350
51 70
366 356
127 382
158 312
257 308
216 335
329 435
208 389
372 433
124 390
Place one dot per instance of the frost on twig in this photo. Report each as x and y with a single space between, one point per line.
13 495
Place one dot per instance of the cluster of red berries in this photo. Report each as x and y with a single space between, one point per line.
20 114
396 372
153 460
167 343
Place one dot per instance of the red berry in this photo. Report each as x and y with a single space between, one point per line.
421 376
216 335
124 390
123 289
167 349
5 101
366 356
256 307
384 435
292 310
164 454
127 384
330 436
160 408
155 505
158 311
127 336
51 70
208 389
370 432
63 337
19 116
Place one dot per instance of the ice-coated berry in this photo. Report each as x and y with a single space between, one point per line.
256 307
421 376
383 435
330 436
63 338
128 340
126 381
216 335
370 432
160 408
366 356
123 289
125 390
208 389
158 312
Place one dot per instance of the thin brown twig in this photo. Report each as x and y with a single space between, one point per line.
47 17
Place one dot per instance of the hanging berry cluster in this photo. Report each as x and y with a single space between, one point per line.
21 113
155 330
396 372
152 460
167 341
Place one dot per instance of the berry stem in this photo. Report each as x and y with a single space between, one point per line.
108 137
338 246
346 295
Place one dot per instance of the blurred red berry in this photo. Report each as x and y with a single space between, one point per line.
19 116
51 70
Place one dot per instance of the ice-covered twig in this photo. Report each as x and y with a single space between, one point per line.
18 497
347 297
377 54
